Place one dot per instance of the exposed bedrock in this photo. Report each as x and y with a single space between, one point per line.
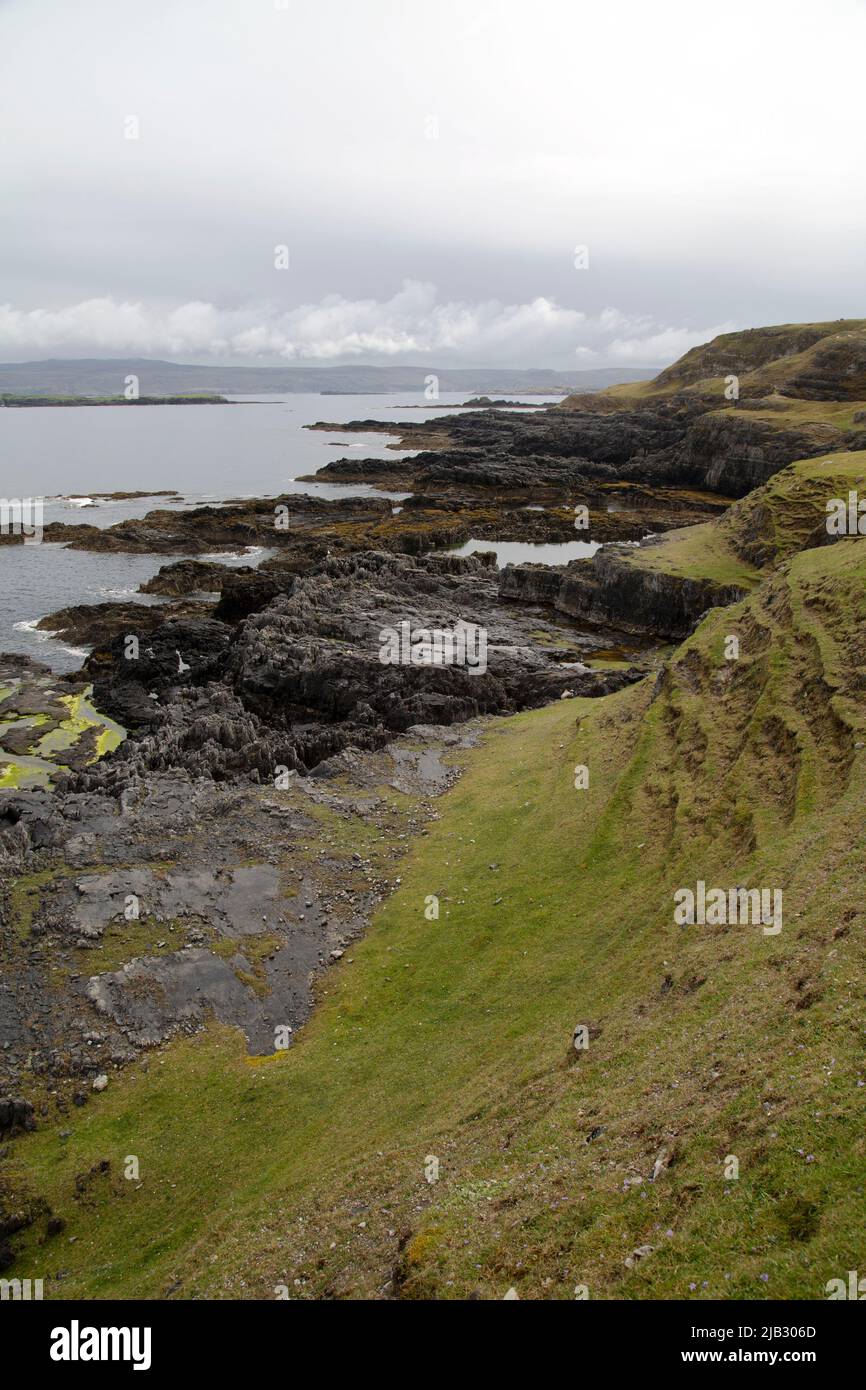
255 521
191 577
610 590
669 444
127 681
468 503
263 887
552 433
733 454
835 370
554 450
304 677
320 649
87 624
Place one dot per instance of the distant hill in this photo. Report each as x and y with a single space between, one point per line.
815 362
105 377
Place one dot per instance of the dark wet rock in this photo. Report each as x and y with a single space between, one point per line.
301 678
485 403
242 588
191 577
684 441
532 583
243 594
89 624
179 653
565 451
236 526
591 438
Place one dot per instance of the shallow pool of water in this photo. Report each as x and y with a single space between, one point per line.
529 552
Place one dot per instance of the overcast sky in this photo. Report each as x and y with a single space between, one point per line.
431 168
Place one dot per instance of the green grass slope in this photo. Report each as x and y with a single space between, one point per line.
789 513
707 551
772 523
606 1169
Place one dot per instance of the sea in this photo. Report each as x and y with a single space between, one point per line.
256 446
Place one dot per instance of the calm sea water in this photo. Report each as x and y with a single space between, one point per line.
207 454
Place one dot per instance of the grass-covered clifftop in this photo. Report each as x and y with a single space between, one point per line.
807 361
451 1039
788 514
669 581
665 584
745 405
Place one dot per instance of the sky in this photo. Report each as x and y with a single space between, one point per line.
465 183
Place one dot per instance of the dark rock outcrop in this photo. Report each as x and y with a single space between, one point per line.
609 591
16 1116
734 453
296 677
190 577
681 441
89 624
176 654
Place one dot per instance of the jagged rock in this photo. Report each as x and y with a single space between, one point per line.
251 522
246 593
300 680
681 441
122 687
191 577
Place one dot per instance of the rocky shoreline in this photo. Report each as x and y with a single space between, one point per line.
676 442
262 728
274 767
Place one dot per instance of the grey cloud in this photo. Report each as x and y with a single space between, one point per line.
458 145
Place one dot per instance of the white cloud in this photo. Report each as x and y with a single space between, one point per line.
698 185
411 325
663 346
